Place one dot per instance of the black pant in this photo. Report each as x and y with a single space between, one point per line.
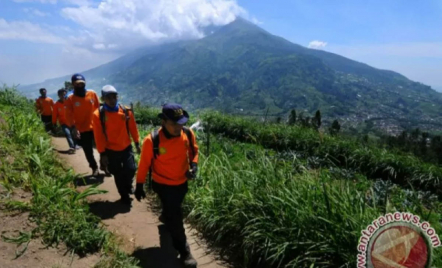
122 166
87 142
172 198
47 121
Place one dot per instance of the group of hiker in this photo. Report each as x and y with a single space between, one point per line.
169 155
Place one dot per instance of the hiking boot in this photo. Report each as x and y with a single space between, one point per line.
71 151
188 260
107 173
161 218
95 172
125 199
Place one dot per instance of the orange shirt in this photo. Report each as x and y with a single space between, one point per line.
44 105
116 130
79 110
171 164
59 111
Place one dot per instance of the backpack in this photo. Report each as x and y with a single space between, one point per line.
156 148
103 125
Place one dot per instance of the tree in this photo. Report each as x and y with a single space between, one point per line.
436 147
423 143
292 117
278 120
335 128
403 139
68 85
316 121
415 134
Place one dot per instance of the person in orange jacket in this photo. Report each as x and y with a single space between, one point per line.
80 107
114 125
171 153
43 106
59 114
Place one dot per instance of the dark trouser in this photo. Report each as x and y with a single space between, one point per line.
47 120
171 199
67 133
122 166
87 142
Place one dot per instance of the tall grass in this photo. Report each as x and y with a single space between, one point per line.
277 219
371 161
268 210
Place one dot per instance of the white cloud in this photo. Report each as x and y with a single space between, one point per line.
130 23
256 21
316 44
99 46
24 30
35 12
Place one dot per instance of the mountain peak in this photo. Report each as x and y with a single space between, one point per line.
240 25
241 20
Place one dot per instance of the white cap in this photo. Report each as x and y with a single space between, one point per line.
108 89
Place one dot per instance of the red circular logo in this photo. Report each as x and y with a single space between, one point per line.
399 245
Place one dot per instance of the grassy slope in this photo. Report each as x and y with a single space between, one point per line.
272 209
372 161
61 213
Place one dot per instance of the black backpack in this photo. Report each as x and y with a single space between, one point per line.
156 148
103 125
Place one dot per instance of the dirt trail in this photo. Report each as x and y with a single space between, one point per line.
36 255
142 235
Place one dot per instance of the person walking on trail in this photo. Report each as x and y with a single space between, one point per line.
59 114
44 106
114 125
168 153
80 108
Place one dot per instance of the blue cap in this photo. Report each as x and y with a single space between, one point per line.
175 113
78 78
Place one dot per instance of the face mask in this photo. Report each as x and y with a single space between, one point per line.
110 109
80 91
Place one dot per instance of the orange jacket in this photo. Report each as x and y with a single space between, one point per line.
59 111
44 105
79 110
116 130
171 164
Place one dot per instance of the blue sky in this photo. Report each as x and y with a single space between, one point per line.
41 39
